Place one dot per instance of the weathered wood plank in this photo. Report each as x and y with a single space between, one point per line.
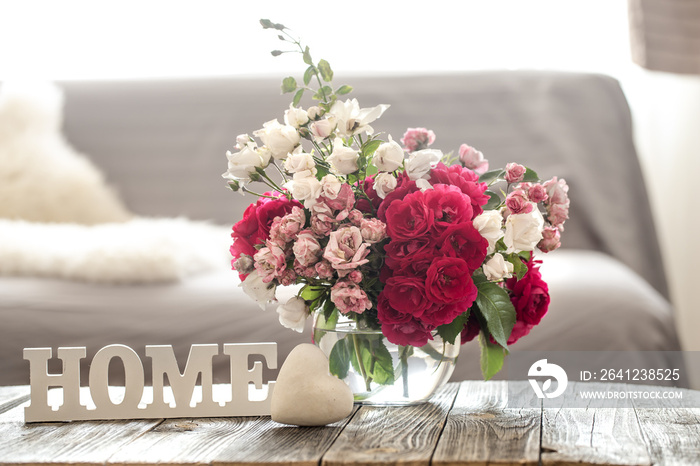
405 436
591 436
222 441
482 430
13 396
87 443
671 428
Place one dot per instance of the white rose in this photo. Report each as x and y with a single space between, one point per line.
254 287
423 185
490 226
497 268
388 156
279 139
241 164
384 183
293 314
295 117
343 159
322 129
330 186
354 120
523 231
300 163
420 162
242 140
306 189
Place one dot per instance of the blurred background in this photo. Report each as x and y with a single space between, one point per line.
106 40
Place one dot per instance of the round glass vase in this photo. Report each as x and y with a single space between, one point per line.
380 372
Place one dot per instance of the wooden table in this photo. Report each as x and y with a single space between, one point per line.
463 424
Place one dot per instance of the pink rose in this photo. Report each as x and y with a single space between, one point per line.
346 250
557 190
285 229
306 248
537 193
557 214
515 172
324 269
355 217
355 276
449 281
551 239
417 139
288 277
348 297
473 159
270 262
344 201
307 272
517 203
373 230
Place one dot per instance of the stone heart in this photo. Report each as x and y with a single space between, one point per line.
305 394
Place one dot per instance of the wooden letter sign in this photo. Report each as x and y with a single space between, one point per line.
246 395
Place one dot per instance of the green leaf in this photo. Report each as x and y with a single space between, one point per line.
276 53
492 356
449 332
289 84
530 176
326 72
370 147
495 306
297 97
383 368
519 268
311 293
494 201
344 89
339 359
491 175
267 24
371 170
308 74
307 57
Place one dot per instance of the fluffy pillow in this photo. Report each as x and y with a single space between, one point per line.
142 250
42 178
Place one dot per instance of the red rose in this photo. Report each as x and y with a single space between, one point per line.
417 264
449 281
441 314
404 187
448 205
464 241
471 329
529 295
399 252
409 217
371 205
466 180
399 328
406 294
520 329
254 227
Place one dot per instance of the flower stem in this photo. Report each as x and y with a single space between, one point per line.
363 372
404 370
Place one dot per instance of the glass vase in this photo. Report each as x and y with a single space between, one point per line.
380 372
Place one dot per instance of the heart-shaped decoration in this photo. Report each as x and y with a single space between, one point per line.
306 394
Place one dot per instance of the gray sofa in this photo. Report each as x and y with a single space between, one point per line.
161 144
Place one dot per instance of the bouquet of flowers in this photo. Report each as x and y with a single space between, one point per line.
394 235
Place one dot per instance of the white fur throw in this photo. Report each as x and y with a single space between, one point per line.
42 178
142 250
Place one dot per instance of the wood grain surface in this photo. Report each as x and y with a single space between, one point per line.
467 423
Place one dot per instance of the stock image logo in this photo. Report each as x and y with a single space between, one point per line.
541 369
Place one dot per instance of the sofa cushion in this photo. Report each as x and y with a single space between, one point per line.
42 178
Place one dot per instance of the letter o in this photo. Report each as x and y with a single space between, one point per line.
133 377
